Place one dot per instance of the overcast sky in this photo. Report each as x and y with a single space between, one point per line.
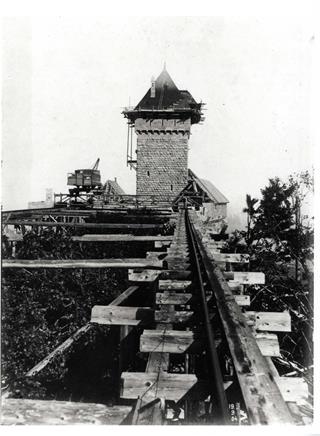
66 81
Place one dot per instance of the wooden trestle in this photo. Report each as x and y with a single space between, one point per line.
172 326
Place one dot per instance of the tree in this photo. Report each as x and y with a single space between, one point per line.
250 210
277 219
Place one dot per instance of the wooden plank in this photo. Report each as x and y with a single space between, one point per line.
269 321
169 341
242 300
211 243
293 389
23 411
178 265
263 400
60 350
121 238
160 244
268 344
115 315
179 316
246 278
172 274
84 225
156 385
82 263
124 296
156 254
172 298
231 257
149 275
174 285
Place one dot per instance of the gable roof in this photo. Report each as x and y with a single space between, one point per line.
167 95
212 192
113 188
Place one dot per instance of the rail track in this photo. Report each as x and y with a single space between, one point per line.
208 357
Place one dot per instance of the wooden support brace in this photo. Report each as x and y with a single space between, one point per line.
269 321
121 315
170 341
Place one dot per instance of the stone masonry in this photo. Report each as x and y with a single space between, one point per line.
162 156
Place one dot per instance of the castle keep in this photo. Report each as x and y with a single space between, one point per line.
162 121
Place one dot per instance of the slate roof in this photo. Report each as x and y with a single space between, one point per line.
167 95
213 193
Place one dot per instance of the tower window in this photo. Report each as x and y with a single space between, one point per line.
148 173
171 187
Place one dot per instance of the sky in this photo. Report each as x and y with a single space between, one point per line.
66 80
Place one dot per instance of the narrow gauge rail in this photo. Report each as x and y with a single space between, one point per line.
209 359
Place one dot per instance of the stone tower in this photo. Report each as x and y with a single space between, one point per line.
162 121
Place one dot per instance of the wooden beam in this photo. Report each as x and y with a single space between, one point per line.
82 263
83 225
246 278
157 385
147 275
174 285
60 350
115 315
172 274
242 300
231 257
120 238
150 275
169 341
269 321
172 298
160 244
177 265
124 296
178 316
23 411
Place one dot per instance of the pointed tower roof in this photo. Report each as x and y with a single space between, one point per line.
164 100
166 96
